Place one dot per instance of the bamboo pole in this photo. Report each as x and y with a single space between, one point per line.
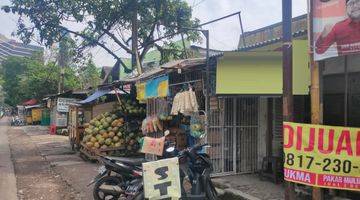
315 92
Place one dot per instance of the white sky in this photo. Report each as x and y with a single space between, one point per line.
224 35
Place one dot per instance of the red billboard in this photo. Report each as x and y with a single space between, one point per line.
336 28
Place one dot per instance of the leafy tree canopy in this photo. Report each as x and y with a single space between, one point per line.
104 22
26 78
89 74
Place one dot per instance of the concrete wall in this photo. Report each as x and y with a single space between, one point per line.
263 117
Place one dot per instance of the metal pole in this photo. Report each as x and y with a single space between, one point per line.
287 78
185 29
242 31
207 97
218 19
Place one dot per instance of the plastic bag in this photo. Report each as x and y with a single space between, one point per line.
197 125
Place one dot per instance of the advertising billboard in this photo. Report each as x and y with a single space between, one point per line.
336 28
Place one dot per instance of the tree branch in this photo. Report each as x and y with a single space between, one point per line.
148 38
96 42
117 41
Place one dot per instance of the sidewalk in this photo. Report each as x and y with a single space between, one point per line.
8 188
249 187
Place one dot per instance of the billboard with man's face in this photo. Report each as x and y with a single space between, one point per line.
336 28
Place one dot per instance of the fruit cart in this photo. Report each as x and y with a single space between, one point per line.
78 115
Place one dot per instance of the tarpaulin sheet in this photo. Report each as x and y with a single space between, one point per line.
157 87
96 95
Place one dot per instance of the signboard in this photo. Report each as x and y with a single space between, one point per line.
336 28
162 179
322 156
61 119
63 104
153 145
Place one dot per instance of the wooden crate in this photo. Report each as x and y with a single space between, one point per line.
93 154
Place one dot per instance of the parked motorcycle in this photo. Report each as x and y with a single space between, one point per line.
16 121
121 178
195 167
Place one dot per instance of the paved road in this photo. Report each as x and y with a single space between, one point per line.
8 180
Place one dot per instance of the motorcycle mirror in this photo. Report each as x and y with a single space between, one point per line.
170 149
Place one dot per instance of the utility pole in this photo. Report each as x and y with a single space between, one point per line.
288 105
315 92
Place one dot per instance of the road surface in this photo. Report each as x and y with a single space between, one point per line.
8 180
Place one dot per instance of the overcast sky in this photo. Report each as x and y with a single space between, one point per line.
224 35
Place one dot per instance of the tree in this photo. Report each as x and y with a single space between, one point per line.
105 23
26 78
89 74
12 70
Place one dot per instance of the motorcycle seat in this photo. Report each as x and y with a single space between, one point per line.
129 161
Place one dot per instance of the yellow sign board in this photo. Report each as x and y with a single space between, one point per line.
162 179
322 156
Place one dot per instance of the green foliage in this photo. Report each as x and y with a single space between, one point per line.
89 74
105 20
13 69
26 78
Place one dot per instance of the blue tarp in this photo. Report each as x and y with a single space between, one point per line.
97 94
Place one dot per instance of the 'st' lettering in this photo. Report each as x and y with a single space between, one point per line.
162 172
162 187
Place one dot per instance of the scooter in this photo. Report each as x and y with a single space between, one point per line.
196 167
119 178
16 121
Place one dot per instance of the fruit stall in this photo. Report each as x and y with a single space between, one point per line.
115 133
113 125
175 101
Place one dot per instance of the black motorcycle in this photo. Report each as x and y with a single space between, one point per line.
121 178
195 170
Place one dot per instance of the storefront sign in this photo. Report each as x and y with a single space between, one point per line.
336 28
322 156
63 104
162 179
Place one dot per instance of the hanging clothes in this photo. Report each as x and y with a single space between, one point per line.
185 102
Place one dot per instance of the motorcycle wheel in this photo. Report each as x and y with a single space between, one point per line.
211 193
98 194
139 196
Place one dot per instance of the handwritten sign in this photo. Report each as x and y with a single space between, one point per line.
162 179
322 156
153 145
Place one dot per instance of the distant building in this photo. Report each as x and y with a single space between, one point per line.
12 48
